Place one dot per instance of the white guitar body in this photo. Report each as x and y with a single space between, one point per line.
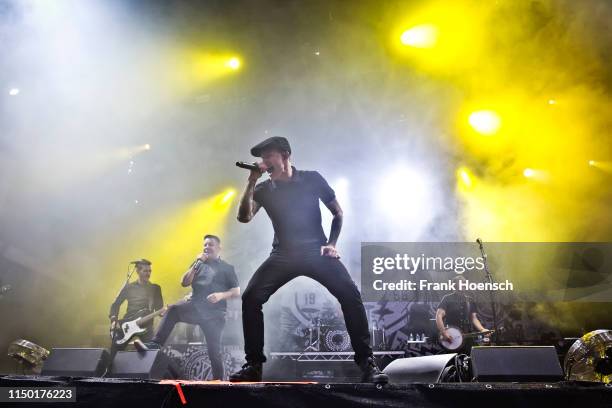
129 329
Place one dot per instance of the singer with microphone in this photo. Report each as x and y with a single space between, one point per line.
213 281
291 199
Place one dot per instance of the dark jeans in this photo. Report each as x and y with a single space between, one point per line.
283 266
212 328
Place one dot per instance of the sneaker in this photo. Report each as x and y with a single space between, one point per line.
150 345
371 373
250 372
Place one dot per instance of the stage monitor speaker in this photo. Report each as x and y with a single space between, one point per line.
152 364
426 369
76 362
516 363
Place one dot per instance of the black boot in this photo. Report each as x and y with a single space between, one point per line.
370 372
250 372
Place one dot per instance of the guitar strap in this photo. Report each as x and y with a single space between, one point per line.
466 314
151 294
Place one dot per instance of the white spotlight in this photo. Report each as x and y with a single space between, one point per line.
406 198
14 91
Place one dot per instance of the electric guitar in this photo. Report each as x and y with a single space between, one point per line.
459 338
126 329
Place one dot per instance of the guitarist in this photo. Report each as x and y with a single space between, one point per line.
213 282
142 297
459 310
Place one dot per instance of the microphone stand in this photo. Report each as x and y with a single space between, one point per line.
114 332
489 279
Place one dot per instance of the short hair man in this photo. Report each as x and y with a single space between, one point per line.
291 199
213 282
142 296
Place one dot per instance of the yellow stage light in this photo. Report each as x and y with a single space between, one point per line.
465 179
439 36
485 122
605 166
421 36
194 68
233 63
127 152
228 196
542 176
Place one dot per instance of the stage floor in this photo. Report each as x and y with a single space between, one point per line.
99 392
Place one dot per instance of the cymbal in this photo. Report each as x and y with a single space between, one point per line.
383 311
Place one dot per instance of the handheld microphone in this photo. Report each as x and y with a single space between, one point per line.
197 266
254 167
479 241
247 166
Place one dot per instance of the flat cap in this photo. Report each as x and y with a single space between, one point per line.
275 142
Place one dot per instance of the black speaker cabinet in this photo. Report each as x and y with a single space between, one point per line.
152 364
76 362
516 363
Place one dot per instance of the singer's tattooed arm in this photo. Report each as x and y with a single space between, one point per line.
330 248
336 226
248 207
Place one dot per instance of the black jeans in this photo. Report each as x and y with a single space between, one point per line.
212 328
283 266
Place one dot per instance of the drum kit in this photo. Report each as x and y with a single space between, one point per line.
326 331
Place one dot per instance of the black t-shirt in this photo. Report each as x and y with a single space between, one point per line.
213 276
142 299
459 309
293 207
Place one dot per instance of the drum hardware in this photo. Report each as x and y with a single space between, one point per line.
28 354
590 358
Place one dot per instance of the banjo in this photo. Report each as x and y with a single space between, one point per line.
458 338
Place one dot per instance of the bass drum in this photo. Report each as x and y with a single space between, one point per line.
336 340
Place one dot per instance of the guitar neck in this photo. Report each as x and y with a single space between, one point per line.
145 319
474 334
